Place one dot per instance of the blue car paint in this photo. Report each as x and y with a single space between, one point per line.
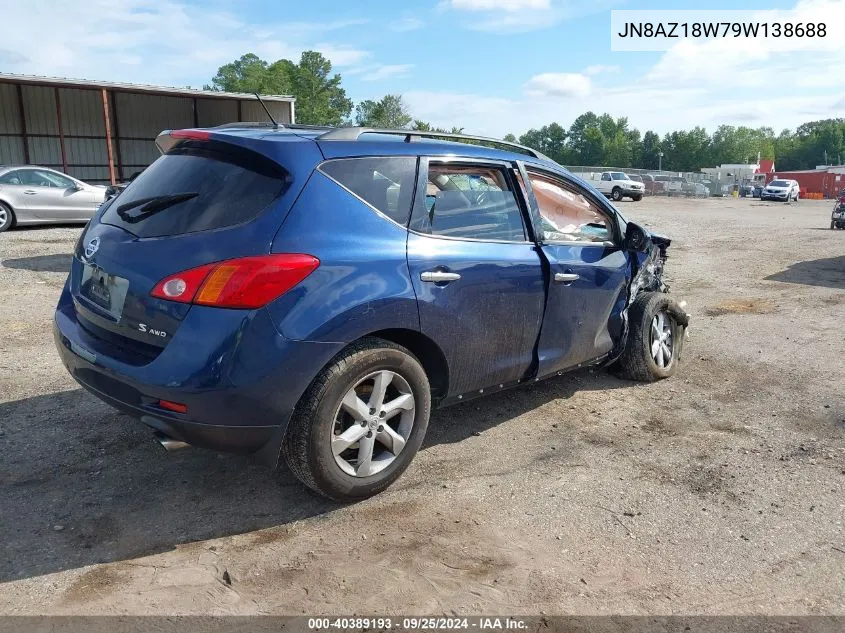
486 323
362 284
231 367
241 372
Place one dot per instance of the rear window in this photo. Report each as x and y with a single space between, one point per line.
386 183
197 187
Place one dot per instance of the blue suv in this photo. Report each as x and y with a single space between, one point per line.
312 293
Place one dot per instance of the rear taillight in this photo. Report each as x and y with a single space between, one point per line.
246 282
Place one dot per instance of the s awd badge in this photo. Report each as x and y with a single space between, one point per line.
143 327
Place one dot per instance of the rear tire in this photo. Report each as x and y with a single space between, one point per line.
7 217
616 194
329 410
655 337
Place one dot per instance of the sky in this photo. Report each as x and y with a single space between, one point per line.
489 66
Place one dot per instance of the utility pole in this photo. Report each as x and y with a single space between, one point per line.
659 161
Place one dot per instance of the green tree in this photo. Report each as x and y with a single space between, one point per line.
550 140
686 150
390 113
651 148
510 138
252 74
635 145
320 99
584 147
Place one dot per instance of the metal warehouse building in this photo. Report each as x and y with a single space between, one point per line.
103 132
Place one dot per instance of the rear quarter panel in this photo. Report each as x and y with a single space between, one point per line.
362 284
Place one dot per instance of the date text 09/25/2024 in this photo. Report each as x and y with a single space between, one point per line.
417 623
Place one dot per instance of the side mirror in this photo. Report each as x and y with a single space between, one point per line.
78 186
636 238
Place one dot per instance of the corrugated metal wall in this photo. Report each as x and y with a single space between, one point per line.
135 119
252 111
85 134
140 118
11 142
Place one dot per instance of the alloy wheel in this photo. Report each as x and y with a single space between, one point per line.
372 423
662 341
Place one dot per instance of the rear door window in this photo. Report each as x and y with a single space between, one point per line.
471 201
197 186
386 183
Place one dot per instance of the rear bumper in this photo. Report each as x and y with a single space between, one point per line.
239 377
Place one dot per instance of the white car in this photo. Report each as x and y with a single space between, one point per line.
617 185
780 189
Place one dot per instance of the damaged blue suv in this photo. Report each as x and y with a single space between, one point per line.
310 294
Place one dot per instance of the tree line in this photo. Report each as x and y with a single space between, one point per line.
590 140
602 140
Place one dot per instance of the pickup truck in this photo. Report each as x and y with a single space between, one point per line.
617 185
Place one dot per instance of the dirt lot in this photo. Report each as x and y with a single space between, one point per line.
718 491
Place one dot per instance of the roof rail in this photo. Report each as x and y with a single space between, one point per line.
268 124
352 134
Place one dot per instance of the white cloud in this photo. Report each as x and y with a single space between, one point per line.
406 24
388 71
379 72
342 55
511 6
519 16
558 85
598 69
727 63
177 43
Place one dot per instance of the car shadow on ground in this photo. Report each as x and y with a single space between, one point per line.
828 272
81 484
40 263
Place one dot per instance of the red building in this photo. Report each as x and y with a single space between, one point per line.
827 181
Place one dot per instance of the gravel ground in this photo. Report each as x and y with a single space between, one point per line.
717 491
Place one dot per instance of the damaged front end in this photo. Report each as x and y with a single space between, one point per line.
648 263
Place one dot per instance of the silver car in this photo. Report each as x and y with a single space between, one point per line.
36 195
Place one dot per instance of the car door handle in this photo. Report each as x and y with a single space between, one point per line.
566 277
438 276
30 192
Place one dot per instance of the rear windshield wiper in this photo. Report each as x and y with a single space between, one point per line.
148 206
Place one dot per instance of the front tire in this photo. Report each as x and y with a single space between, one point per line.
360 423
655 337
616 194
7 217
637 198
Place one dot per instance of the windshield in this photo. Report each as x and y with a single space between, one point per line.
779 183
197 187
618 175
